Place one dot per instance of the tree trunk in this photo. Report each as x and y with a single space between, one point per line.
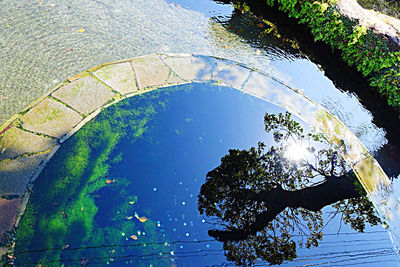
277 200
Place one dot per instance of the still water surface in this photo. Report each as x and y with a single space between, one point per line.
44 42
143 209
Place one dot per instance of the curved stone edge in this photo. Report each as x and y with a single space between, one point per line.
155 71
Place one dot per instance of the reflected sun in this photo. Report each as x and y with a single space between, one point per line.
296 151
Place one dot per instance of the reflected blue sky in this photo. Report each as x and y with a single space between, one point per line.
159 179
41 46
168 165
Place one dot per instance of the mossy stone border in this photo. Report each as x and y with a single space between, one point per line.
79 99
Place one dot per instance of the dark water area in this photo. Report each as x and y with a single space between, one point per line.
134 200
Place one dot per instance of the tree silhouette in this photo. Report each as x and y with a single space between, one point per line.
262 198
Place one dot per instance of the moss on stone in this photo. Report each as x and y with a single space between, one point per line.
62 208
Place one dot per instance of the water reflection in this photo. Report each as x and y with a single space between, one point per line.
291 48
131 198
43 43
261 198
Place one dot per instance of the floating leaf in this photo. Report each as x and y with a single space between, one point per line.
64 247
134 237
108 181
131 202
142 219
129 217
81 30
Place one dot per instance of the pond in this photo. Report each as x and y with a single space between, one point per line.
44 42
124 189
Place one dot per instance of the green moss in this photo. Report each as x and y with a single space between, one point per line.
62 208
105 72
53 115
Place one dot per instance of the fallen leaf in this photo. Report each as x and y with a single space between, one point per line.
134 237
131 202
142 219
64 247
260 25
129 217
69 49
108 181
4 97
81 30
84 261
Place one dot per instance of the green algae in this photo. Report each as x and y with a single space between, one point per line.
62 210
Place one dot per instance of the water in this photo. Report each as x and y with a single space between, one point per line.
145 159
44 42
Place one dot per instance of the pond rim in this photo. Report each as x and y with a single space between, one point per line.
30 138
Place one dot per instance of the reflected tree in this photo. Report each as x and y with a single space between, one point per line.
267 201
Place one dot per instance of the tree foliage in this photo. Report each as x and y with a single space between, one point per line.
261 198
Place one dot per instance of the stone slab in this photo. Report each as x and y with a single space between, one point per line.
371 174
150 71
50 117
230 74
191 68
119 76
258 84
84 95
266 88
15 174
15 142
8 214
174 79
337 133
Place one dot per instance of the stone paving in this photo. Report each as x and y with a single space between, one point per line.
29 139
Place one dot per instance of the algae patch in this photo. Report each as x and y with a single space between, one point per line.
61 226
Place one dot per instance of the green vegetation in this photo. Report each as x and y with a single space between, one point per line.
61 214
369 52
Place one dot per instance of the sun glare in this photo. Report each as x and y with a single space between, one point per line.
296 152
